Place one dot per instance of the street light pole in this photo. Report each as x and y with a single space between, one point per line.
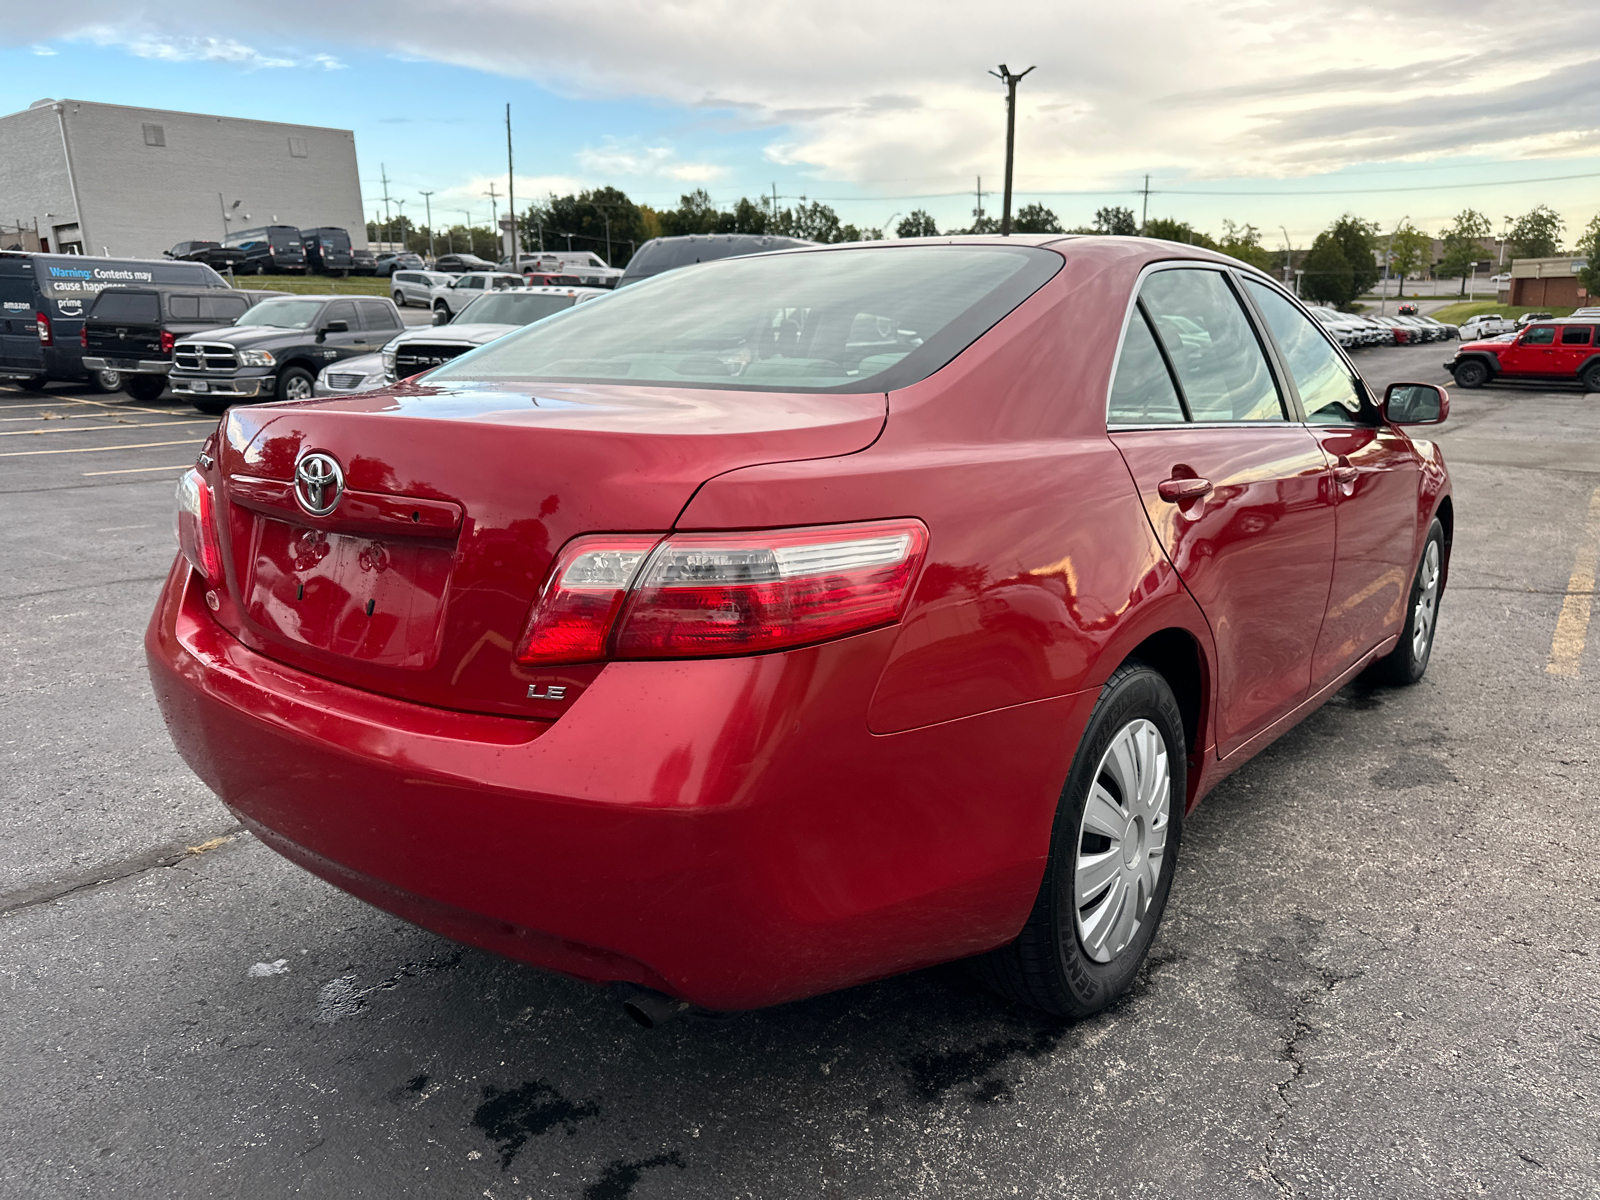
427 199
1006 77
1288 255
1388 256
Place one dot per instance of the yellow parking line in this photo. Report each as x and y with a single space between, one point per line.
119 407
95 428
137 471
1572 626
97 449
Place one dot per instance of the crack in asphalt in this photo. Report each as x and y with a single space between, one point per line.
102 874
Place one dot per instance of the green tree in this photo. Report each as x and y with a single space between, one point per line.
1115 220
916 224
815 221
1359 241
603 220
1244 243
1589 247
1170 230
1463 247
1408 250
1035 218
1537 233
1327 273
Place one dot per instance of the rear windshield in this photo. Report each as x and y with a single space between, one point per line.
283 314
513 308
858 320
126 306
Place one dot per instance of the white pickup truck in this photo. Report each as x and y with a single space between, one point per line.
1486 325
584 266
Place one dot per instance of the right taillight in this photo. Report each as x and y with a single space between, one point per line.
709 594
46 338
195 525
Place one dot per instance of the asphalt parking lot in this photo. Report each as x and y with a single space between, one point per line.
1377 976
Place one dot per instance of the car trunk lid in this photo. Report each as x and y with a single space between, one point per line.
420 578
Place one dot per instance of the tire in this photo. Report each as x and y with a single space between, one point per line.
1591 378
212 408
145 388
295 383
106 381
399 298
33 383
1072 960
1471 374
1405 664
441 313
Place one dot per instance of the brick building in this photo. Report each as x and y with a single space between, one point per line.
1547 282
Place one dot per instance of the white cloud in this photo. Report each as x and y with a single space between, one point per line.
894 96
613 158
43 51
165 47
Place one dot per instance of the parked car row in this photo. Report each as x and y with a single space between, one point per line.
1351 329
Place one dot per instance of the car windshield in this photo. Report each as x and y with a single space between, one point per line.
514 308
283 314
856 320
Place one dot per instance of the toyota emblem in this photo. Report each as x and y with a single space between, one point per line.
318 483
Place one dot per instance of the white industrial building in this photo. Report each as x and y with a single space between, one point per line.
132 182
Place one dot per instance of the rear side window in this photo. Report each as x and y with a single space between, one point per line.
786 322
1221 367
1320 375
1142 393
375 314
405 277
1576 335
127 306
1540 335
183 308
223 308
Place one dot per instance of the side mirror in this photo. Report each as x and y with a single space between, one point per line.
333 327
1416 404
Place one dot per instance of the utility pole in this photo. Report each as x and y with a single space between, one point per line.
405 242
977 213
467 212
1288 257
511 198
1005 76
427 199
1144 213
494 210
388 227
1388 256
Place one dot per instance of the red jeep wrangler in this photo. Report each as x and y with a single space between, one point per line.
1565 350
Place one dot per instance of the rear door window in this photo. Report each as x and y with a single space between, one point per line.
1576 335
375 314
1220 364
1143 392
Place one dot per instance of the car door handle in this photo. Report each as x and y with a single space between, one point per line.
1181 491
1346 474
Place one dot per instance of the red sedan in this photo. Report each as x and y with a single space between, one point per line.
795 620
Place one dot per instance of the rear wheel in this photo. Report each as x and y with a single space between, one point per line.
106 381
1112 855
295 383
1405 664
33 383
1591 378
145 387
1471 374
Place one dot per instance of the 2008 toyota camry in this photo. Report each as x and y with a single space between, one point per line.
791 621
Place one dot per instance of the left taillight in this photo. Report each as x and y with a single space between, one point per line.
712 594
46 338
195 525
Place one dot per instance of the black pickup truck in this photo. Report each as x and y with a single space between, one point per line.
276 352
132 330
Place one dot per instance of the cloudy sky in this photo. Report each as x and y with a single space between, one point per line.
1275 112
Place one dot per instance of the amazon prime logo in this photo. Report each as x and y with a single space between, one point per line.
318 483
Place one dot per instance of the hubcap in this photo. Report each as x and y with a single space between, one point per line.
1122 840
297 388
1427 606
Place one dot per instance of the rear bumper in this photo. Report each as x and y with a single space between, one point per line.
130 366
727 831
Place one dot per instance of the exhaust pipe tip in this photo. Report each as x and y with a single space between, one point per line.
647 1007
